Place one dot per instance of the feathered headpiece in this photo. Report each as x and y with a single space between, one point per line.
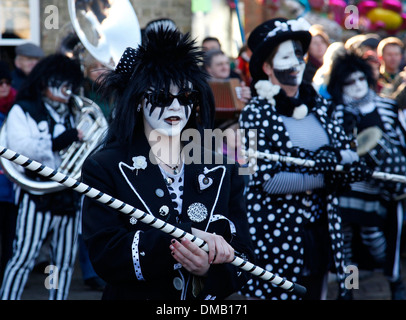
166 57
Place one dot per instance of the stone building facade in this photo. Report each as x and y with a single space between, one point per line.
54 24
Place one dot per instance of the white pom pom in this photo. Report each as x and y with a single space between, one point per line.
300 112
267 90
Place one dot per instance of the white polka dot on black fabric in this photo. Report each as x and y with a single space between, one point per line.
175 189
126 63
136 260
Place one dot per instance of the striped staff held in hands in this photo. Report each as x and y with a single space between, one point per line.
141 216
311 163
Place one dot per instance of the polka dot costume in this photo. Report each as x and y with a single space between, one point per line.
277 221
175 188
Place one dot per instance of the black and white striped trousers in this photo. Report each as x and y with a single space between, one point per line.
33 227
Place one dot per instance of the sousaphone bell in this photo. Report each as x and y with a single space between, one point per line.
105 28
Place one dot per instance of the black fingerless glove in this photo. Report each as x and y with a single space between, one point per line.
64 139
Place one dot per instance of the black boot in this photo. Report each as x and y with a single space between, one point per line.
398 290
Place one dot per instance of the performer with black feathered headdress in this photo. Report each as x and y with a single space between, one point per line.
372 216
148 161
39 125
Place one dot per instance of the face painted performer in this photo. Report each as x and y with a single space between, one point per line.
144 163
370 210
292 211
39 125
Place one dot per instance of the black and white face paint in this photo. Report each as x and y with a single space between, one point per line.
60 91
288 63
356 85
168 113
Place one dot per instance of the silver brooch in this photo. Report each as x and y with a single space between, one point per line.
139 162
197 212
133 220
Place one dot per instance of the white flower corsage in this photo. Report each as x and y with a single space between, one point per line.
300 24
267 90
291 25
139 162
300 112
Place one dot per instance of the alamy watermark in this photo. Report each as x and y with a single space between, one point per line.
227 145
351 21
52 280
352 280
51 20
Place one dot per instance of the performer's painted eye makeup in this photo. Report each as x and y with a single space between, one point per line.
165 99
352 81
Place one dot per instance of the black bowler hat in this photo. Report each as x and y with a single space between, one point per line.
268 35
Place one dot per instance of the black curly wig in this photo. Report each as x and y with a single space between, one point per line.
342 67
54 67
166 56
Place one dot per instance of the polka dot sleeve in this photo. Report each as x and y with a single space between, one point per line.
136 256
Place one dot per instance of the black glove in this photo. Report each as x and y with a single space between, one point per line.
65 139
326 160
352 172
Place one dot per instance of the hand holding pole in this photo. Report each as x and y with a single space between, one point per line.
312 163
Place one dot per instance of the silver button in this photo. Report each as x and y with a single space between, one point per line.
159 192
178 283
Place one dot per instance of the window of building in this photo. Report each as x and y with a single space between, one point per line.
19 22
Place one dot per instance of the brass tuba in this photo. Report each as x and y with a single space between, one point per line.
105 28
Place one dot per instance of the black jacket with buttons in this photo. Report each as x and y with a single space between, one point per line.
116 243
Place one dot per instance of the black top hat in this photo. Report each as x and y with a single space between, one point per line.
268 35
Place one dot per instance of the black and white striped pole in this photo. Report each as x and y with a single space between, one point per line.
311 163
142 216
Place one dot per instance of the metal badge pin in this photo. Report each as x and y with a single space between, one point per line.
204 182
197 212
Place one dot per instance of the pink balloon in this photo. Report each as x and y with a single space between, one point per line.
338 3
337 7
365 6
393 5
